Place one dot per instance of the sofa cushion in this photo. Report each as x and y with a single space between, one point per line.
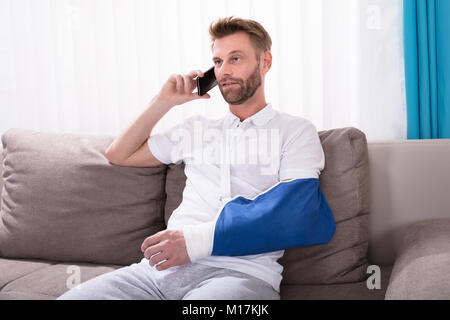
340 291
421 267
175 183
48 281
344 182
62 200
12 269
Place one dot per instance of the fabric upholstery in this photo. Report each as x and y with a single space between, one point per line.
175 183
63 201
13 269
340 291
39 280
1 171
344 182
409 182
421 267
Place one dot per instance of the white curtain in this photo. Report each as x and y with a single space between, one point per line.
91 66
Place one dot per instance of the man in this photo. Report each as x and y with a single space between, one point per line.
225 238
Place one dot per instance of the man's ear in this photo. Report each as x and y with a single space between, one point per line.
267 61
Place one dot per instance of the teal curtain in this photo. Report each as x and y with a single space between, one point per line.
427 68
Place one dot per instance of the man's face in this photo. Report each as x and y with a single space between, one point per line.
236 68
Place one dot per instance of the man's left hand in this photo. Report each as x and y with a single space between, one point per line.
168 245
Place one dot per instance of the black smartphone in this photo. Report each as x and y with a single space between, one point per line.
207 82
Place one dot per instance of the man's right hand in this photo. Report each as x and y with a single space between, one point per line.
179 89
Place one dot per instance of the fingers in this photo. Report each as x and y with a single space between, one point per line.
196 73
189 80
161 255
187 83
152 240
157 258
157 253
180 83
154 249
156 243
165 249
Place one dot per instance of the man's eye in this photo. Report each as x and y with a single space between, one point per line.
236 58
215 62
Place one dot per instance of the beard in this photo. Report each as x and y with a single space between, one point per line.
244 90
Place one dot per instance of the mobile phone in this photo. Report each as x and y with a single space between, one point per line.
207 82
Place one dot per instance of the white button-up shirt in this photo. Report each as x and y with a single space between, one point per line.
226 158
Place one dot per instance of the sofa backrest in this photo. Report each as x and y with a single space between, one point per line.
410 182
64 201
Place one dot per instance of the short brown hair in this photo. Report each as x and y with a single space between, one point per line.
259 37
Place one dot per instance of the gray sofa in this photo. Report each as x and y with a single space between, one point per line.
68 215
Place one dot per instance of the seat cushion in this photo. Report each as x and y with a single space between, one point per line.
344 291
39 280
63 201
422 264
13 269
42 280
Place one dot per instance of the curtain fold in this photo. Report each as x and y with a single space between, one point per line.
427 68
90 67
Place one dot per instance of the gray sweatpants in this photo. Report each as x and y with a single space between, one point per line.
191 281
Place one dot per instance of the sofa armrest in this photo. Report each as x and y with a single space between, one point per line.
421 268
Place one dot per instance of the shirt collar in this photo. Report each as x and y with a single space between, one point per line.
260 118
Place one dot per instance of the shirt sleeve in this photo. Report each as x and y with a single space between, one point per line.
302 155
172 145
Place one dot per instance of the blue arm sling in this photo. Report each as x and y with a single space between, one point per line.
291 214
